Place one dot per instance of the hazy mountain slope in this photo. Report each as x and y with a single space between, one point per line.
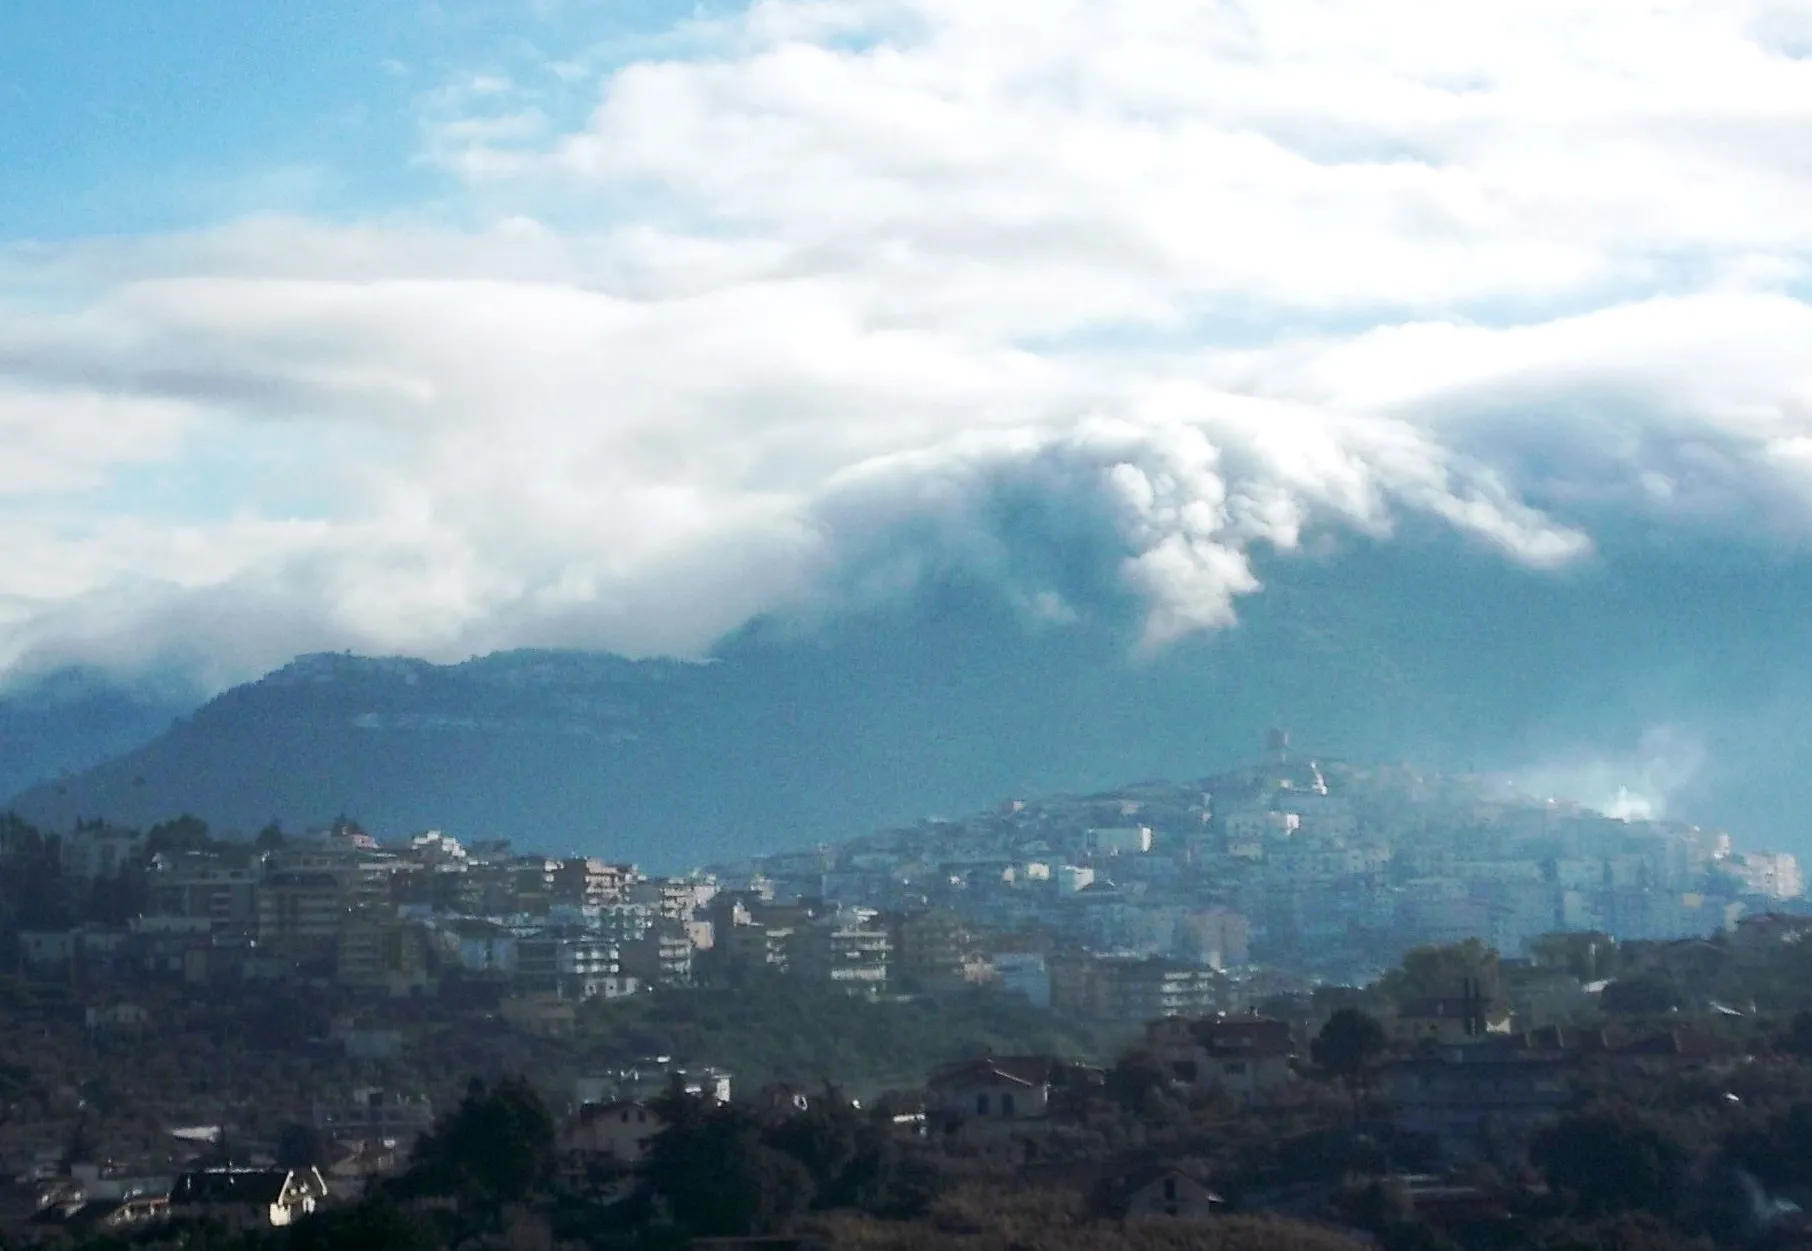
954 702
74 719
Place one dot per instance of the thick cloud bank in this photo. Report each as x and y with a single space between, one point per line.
845 292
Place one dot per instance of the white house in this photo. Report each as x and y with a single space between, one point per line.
1128 840
1167 1191
992 1090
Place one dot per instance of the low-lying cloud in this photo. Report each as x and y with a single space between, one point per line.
1643 783
799 316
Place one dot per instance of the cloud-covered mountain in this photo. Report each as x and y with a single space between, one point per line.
1633 673
780 308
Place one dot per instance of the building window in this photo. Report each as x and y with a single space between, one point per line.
1006 1105
1170 1191
981 1105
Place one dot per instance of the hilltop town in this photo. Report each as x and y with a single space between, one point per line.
1161 897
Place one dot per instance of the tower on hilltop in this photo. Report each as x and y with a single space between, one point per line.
1277 746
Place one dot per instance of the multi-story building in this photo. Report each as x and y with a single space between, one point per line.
485 947
384 955
624 923
673 898
662 957
372 1114
930 949
847 949
1142 990
532 880
751 944
1477 1102
449 888
300 913
204 888
537 962
90 852
1771 874
589 881
587 955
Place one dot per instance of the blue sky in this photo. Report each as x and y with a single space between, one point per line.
129 117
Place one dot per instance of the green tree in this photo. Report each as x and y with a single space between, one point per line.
826 1138
1587 956
1627 1231
1610 1161
1348 1047
1639 996
301 1146
1430 972
376 1224
497 1147
80 1148
853 1160
717 1174
180 834
1778 1153
1796 1039
1135 1079
115 899
34 895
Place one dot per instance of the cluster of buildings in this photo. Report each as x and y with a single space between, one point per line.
250 1198
1156 899
398 921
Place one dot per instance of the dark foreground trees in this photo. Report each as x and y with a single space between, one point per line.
1349 1048
725 1169
1612 1160
497 1147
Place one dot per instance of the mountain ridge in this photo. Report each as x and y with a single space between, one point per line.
788 735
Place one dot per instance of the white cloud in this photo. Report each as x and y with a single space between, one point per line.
786 315
1638 784
58 441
